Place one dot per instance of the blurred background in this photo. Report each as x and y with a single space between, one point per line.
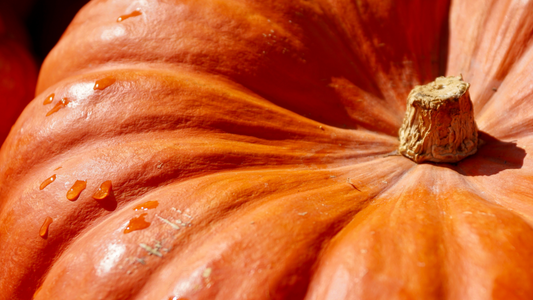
46 20
29 29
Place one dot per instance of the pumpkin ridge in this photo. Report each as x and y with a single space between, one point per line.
512 95
383 51
330 233
405 173
253 57
105 134
250 141
496 45
206 183
99 218
493 199
506 228
254 101
391 225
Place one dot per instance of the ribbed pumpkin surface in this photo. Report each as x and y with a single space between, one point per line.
247 145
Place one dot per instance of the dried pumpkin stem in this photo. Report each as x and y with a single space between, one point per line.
439 122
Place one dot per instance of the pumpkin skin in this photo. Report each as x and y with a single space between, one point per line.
274 153
18 72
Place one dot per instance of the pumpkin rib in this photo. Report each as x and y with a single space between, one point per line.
467 203
275 109
490 197
485 264
172 167
246 134
304 88
380 274
369 111
253 153
271 290
386 51
209 187
492 37
492 166
88 208
505 168
513 96
515 201
83 214
379 250
58 137
198 57
80 210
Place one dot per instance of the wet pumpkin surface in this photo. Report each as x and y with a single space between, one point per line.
266 131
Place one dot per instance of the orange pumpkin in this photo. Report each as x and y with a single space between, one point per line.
241 150
18 73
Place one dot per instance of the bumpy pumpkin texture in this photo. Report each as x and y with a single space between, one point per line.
249 146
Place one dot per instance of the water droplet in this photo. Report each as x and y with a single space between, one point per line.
49 99
47 181
146 205
76 190
137 223
104 83
177 298
62 103
103 190
44 228
134 13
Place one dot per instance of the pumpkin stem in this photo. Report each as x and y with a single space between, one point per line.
439 122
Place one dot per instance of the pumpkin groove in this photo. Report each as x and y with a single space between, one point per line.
247 145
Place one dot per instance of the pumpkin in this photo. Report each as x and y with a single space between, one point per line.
246 150
18 73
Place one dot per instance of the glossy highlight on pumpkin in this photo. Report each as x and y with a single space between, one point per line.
49 99
62 103
214 119
137 223
146 205
76 190
135 13
103 83
103 191
44 228
47 181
